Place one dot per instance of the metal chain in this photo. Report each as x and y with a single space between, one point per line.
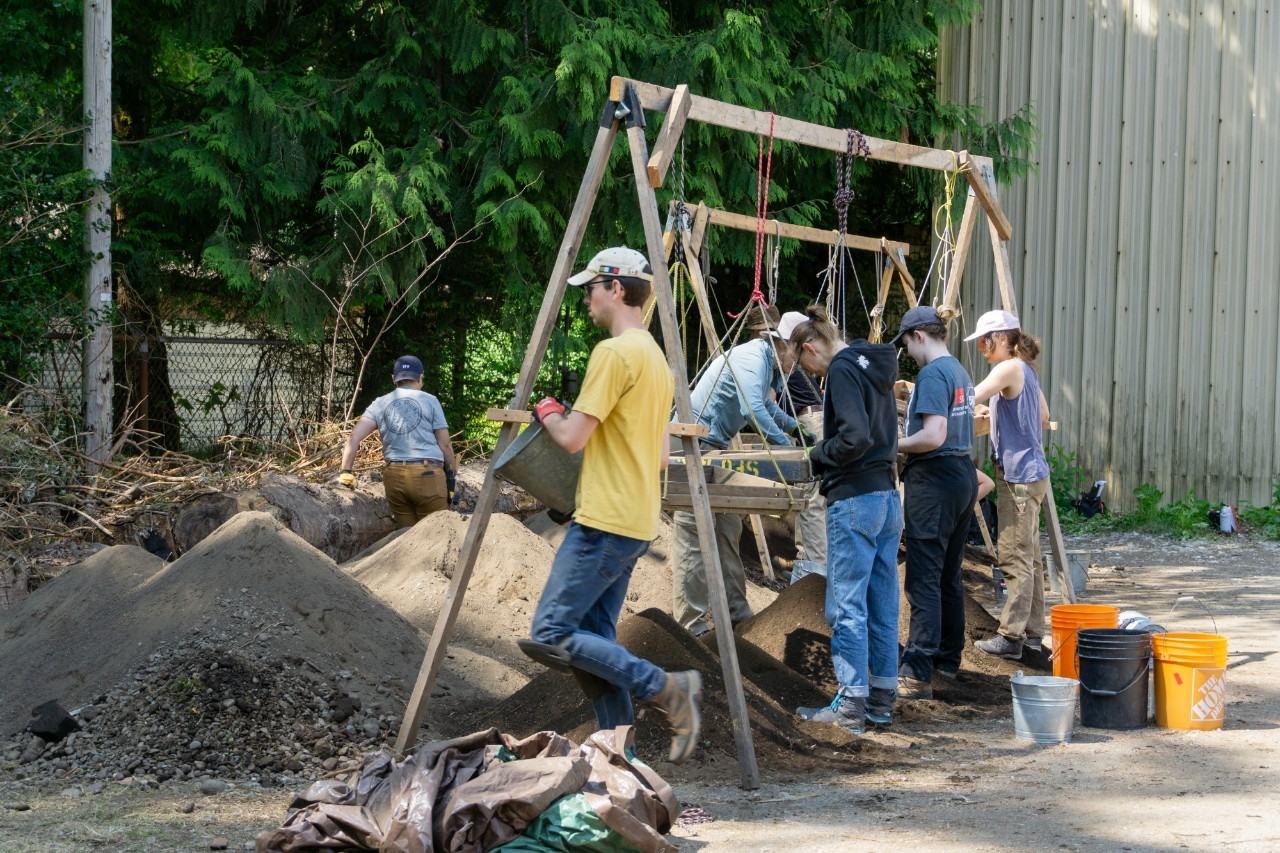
691 814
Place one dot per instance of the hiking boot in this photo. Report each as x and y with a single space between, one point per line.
680 703
912 688
1001 646
879 706
847 712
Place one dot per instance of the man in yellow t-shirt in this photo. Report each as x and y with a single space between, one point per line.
619 424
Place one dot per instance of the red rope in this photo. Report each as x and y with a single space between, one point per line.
764 173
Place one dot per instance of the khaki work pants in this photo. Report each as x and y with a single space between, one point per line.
811 522
415 491
689 604
1018 544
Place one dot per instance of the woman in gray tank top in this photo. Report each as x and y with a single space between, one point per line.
1018 410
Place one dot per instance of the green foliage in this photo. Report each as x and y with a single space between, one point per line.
298 167
41 182
1067 477
1182 519
1265 520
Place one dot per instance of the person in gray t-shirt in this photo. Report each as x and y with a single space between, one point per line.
419 476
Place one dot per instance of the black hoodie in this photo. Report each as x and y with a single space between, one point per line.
860 422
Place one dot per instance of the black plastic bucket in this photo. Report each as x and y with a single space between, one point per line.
1114 680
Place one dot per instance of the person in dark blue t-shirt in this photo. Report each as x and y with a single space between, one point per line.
941 487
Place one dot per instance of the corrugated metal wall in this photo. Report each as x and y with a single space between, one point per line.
1146 247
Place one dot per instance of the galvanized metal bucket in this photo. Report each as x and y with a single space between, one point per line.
544 469
1044 707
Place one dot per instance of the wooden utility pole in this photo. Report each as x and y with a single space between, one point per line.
98 373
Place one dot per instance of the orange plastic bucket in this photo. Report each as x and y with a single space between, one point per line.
1066 620
1190 676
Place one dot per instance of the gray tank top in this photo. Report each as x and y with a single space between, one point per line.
1017 442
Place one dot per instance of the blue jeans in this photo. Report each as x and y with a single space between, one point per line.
579 611
862 590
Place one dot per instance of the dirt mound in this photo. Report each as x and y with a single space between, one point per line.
794 630
412 574
782 742
252 585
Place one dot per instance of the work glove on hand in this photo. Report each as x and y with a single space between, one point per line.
547 406
348 479
804 438
451 481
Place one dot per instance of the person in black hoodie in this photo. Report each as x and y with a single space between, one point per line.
856 460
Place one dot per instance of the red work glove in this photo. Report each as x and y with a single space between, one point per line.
547 406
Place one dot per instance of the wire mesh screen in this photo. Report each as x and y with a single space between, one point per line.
215 386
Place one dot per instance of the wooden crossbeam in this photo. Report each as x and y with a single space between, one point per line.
733 117
804 232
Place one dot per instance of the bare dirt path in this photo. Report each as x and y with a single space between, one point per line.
961 784
973 786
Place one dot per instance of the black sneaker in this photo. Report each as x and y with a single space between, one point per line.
1001 646
946 674
879 706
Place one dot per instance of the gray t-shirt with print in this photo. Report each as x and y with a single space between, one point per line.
407 420
943 388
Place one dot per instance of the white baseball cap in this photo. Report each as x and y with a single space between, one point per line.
788 324
994 321
617 261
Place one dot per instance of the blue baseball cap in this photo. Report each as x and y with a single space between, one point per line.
407 367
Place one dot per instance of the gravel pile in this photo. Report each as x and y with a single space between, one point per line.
205 714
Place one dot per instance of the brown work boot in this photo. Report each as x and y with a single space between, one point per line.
680 703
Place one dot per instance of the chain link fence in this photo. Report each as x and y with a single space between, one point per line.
204 387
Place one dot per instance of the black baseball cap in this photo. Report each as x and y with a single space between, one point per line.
921 315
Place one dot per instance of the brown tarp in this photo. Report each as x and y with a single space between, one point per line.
459 796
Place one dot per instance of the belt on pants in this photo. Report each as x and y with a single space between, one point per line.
808 410
433 463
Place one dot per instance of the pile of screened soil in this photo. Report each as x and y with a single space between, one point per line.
252 586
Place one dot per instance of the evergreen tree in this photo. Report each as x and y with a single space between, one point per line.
277 160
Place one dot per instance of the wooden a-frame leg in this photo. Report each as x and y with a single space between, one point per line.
416 709
1059 551
964 239
693 464
986 534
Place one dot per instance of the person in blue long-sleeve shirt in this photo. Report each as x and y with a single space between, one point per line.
735 391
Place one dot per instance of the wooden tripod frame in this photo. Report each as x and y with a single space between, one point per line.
626 106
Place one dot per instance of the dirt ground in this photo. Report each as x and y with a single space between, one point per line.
948 773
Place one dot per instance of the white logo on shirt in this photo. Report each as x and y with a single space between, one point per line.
863 363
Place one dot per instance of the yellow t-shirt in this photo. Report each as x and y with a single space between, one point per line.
628 388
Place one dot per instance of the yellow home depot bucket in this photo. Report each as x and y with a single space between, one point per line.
1066 620
1191 689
